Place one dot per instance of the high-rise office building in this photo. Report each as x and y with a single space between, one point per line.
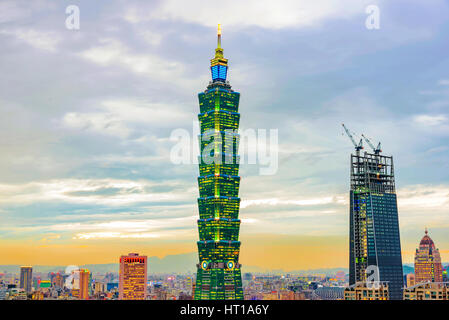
428 266
374 227
84 284
133 277
219 272
26 278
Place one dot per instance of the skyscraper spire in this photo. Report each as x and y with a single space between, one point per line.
219 36
219 65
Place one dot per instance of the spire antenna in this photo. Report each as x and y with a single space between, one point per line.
219 36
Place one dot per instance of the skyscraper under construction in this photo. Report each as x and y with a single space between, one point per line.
218 272
374 226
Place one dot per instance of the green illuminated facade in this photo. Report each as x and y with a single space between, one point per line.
219 275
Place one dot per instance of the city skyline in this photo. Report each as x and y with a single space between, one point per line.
86 176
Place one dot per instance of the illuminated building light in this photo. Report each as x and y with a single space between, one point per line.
219 273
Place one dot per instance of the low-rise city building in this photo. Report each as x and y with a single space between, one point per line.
367 291
427 291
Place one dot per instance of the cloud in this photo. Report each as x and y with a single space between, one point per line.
119 117
430 120
50 237
43 40
151 37
11 11
88 191
261 13
303 202
98 122
112 52
135 229
419 197
423 205
112 235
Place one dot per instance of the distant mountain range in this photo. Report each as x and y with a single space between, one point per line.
171 264
408 269
181 264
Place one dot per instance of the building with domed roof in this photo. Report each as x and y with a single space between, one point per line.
428 266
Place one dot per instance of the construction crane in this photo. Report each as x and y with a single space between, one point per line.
359 146
377 149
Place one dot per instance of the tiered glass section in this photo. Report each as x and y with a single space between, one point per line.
374 225
219 274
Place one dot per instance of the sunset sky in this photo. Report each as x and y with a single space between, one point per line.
85 171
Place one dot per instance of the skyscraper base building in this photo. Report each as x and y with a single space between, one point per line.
218 271
375 247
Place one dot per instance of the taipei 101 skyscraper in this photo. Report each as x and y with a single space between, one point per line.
218 271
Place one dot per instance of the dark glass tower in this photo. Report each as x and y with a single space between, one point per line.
374 226
219 276
26 278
